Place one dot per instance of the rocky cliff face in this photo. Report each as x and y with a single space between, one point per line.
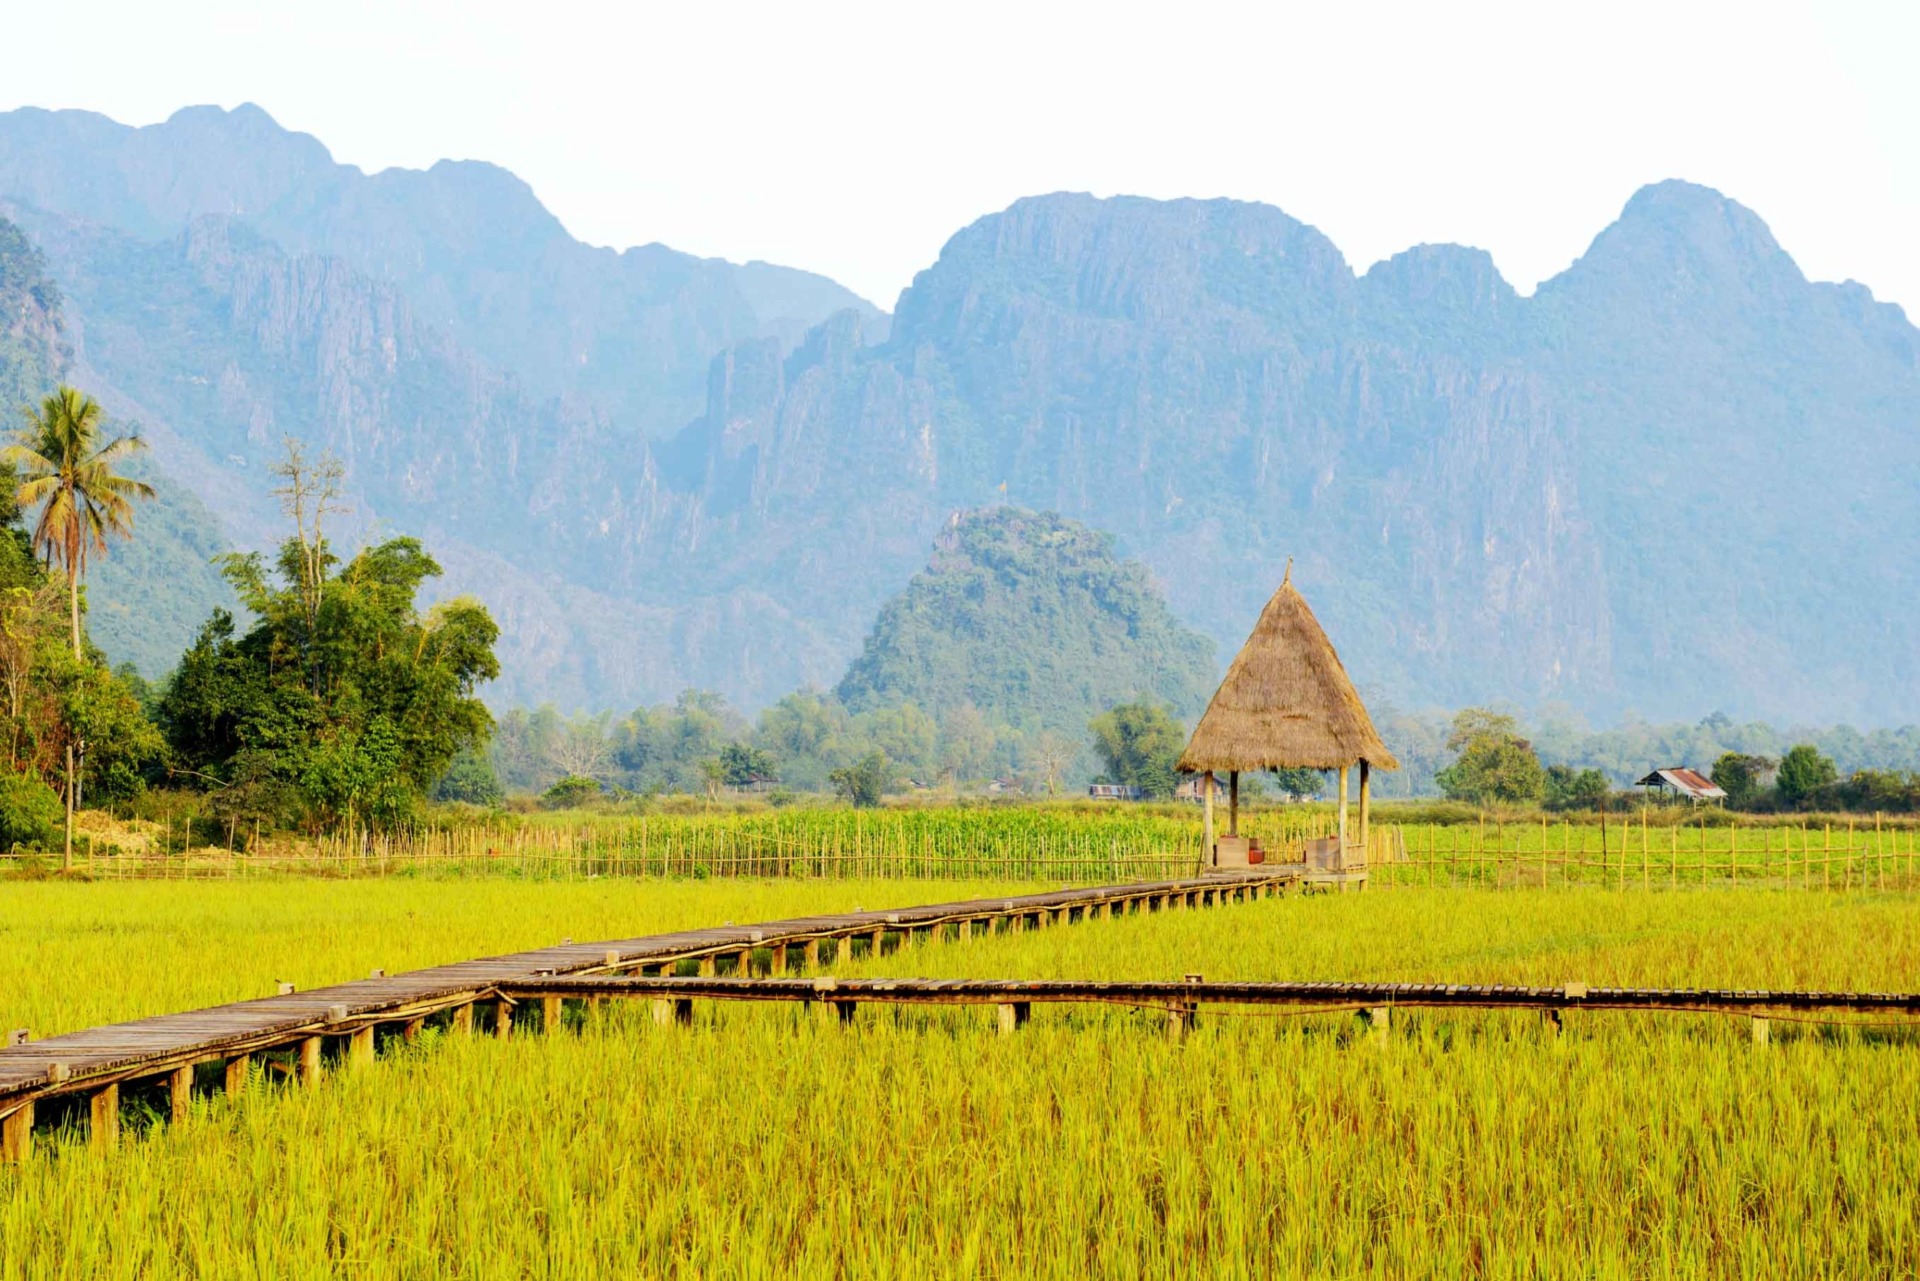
145 597
1666 482
33 348
467 243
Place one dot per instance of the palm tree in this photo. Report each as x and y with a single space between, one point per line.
64 467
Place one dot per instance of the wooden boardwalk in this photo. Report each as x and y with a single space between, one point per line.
306 1028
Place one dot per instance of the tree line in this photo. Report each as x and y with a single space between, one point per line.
340 701
1495 762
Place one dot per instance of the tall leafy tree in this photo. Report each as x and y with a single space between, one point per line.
1494 764
345 701
67 470
1140 743
1804 772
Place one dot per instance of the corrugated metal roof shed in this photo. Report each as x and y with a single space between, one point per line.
1686 782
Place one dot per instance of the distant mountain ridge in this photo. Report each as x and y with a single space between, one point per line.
1673 479
1665 481
467 242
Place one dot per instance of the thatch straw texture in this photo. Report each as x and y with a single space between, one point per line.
1286 702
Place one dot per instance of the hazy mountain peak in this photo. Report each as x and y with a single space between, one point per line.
466 243
1456 279
1677 239
1127 258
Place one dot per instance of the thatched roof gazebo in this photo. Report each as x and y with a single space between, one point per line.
1286 703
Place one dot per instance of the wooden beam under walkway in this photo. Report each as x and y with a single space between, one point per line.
912 991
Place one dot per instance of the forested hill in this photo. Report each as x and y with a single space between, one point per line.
1034 621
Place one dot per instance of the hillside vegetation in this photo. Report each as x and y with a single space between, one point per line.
1035 621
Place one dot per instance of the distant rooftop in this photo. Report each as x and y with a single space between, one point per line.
1686 782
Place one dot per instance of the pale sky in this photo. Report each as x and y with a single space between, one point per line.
853 139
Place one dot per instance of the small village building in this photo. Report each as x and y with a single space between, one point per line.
1680 783
1286 703
1114 792
1189 790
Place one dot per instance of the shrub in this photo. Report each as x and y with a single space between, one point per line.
865 781
572 790
1803 773
30 812
470 778
1570 789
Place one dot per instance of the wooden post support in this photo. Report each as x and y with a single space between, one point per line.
502 1019
1180 1017
672 1011
743 963
777 960
551 1012
1343 815
1013 1016
1206 820
1233 802
709 966
1366 797
463 1019
966 931
810 956
307 1067
360 1045
1762 1032
410 1030
876 942
103 1118
179 1094
234 1079
16 1134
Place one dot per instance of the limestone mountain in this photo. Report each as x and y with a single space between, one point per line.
1033 620
1674 479
1670 480
146 596
466 242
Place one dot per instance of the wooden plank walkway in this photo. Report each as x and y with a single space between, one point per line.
97 1061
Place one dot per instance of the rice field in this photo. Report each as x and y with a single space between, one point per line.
1663 848
761 1142
79 955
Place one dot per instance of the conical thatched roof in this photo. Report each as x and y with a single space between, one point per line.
1286 702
